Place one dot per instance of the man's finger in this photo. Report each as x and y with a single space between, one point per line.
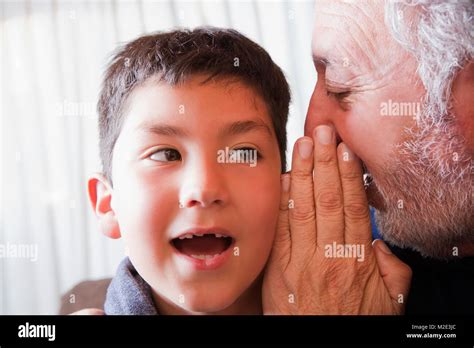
357 228
301 203
395 274
327 190
282 244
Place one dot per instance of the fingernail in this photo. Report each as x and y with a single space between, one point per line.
347 154
305 148
324 134
382 246
285 182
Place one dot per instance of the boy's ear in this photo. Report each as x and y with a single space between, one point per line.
100 196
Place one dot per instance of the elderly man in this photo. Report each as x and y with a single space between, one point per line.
392 103
395 84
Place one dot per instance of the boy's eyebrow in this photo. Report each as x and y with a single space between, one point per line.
240 127
163 129
234 128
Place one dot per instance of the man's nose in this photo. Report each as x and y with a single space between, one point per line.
321 110
203 184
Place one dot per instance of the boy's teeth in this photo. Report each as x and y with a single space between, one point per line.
204 257
190 236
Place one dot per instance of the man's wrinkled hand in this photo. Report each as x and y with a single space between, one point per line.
323 260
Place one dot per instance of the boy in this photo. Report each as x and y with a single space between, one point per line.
192 141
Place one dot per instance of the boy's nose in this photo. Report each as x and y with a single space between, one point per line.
203 186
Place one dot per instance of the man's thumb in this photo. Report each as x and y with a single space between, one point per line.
395 273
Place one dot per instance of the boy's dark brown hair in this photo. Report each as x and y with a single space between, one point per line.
173 57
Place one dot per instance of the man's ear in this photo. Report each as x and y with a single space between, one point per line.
100 196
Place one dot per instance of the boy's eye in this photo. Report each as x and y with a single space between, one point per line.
246 150
165 155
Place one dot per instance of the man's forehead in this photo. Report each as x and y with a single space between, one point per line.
359 10
345 34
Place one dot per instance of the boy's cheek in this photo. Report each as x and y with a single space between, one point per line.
262 212
265 196
144 213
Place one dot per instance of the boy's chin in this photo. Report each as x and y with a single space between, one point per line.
207 303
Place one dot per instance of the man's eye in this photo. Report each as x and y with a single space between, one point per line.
165 155
339 95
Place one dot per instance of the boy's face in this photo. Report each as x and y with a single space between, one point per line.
169 181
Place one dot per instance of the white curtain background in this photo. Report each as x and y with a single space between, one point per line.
53 54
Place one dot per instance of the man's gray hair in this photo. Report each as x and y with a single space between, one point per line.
440 34
431 174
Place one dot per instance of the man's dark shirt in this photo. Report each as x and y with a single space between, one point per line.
439 287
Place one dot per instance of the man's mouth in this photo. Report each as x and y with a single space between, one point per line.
202 245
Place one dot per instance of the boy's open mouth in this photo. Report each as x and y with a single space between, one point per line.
202 246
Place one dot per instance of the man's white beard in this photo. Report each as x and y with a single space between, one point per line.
427 192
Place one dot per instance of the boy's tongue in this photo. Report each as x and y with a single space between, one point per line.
205 245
